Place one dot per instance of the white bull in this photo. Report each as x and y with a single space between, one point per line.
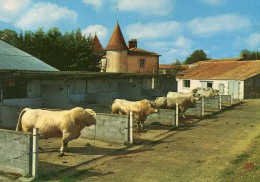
205 92
170 103
179 94
141 109
61 123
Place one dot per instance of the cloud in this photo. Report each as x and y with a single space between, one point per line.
253 41
179 49
153 30
216 24
99 30
10 9
145 7
45 15
97 4
213 2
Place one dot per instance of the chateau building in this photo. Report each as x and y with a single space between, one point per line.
121 58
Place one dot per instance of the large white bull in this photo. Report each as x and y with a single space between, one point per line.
61 123
170 103
141 109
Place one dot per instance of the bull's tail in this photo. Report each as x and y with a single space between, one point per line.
18 126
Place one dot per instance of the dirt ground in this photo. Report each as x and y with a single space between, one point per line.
221 147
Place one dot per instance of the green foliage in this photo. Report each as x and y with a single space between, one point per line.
71 51
250 55
198 55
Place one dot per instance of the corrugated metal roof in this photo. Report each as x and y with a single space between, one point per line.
230 70
12 58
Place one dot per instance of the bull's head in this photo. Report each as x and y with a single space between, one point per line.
92 117
153 107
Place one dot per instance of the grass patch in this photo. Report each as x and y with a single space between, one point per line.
240 158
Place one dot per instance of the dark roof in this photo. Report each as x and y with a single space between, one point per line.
12 58
229 70
138 51
96 44
117 41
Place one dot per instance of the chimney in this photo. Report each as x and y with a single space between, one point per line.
132 43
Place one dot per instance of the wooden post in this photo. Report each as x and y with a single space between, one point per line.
35 152
131 136
177 114
202 105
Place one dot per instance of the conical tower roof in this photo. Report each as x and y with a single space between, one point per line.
96 44
117 41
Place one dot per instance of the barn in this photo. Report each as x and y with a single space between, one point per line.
28 82
237 77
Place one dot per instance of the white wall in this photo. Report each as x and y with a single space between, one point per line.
216 85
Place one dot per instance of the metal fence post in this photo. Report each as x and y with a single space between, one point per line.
203 107
220 102
131 136
177 114
35 152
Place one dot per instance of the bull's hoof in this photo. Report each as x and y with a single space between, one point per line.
61 154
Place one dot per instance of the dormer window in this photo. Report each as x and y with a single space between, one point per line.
142 63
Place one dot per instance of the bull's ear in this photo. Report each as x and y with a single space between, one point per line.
91 112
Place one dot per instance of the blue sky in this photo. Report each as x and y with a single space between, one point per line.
171 28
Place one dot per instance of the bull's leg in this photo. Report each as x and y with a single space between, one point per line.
65 140
183 115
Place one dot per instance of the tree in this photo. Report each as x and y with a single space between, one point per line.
198 55
250 55
71 51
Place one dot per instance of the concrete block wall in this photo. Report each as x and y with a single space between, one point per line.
15 150
194 111
226 100
110 128
211 103
164 116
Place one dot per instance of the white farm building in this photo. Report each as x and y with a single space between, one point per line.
235 77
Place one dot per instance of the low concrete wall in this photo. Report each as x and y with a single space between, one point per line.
15 152
164 116
211 104
109 127
226 100
195 111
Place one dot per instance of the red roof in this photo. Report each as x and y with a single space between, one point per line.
138 51
117 41
235 70
219 60
96 44
170 66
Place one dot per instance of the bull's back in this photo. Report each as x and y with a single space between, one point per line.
48 122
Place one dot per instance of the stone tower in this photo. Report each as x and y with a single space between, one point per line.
116 52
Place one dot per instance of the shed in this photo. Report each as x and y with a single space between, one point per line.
235 77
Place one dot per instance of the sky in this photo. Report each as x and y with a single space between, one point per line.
172 28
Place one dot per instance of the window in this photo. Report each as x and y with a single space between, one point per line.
14 89
142 63
209 84
186 83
